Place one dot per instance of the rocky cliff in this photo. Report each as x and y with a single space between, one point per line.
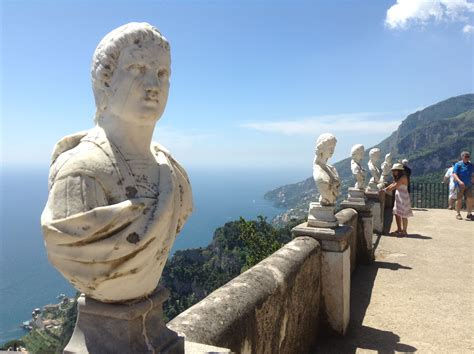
429 139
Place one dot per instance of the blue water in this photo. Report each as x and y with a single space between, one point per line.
28 281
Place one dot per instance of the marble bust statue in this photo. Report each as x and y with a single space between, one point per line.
386 168
116 199
326 176
374 157
359 173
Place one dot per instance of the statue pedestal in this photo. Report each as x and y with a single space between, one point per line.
372 187
335 272
377 200
322 215
356 195
365 230
132 327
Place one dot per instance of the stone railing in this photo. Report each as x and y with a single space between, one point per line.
279 305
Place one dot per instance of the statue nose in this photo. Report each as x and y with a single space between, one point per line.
152 92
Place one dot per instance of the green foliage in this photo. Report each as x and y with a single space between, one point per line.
260 240
40 341
15 343
68 324
193 274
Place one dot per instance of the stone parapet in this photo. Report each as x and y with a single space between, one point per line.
274 307
335 272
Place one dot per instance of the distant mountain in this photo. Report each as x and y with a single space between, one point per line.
429 139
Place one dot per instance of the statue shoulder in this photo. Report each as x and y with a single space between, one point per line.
156 147
78 154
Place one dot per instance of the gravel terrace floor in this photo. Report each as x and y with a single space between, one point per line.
418 296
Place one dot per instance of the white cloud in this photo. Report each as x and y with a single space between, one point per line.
468 29
174 139
407 12
365 122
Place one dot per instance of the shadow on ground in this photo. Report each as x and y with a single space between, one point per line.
416 236
359 336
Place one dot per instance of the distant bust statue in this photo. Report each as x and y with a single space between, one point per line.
386 168
358 171
117 200
326 176
374 156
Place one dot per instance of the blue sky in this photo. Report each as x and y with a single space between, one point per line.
253 82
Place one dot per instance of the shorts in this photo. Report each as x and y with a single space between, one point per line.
466 192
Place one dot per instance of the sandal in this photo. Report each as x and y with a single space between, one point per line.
459 217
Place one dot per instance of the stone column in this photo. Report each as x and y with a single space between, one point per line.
377 201
133 327
388 212
365 248
335 272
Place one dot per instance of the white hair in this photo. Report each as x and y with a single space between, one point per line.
374 151
356 148
325 139
107 53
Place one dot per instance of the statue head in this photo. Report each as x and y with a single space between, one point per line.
357 152
325 145
388 158
130 72
374 154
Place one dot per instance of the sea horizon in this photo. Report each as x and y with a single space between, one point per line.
28 280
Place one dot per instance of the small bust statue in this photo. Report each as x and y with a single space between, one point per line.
116 199
326 176
386 168
358 171
374 156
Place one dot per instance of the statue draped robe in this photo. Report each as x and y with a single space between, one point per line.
105 230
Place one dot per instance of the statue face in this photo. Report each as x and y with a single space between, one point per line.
359 155
375 156
139 88
328 150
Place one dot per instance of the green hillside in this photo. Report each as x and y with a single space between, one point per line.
429 139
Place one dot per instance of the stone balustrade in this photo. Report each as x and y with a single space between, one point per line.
282 303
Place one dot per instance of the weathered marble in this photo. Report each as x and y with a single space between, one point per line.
117 200
374 156
133 327
321 215
358 171
335 272
365 232
386 169
325 175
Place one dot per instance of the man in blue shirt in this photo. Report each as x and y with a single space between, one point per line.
463 176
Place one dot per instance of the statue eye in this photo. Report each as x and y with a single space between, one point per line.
137 69
163 73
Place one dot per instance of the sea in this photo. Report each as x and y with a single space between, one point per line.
28 281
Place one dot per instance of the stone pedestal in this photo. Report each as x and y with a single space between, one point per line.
377 200
356 195
321 215
372 187
133 327
365 248
335 272
387 212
